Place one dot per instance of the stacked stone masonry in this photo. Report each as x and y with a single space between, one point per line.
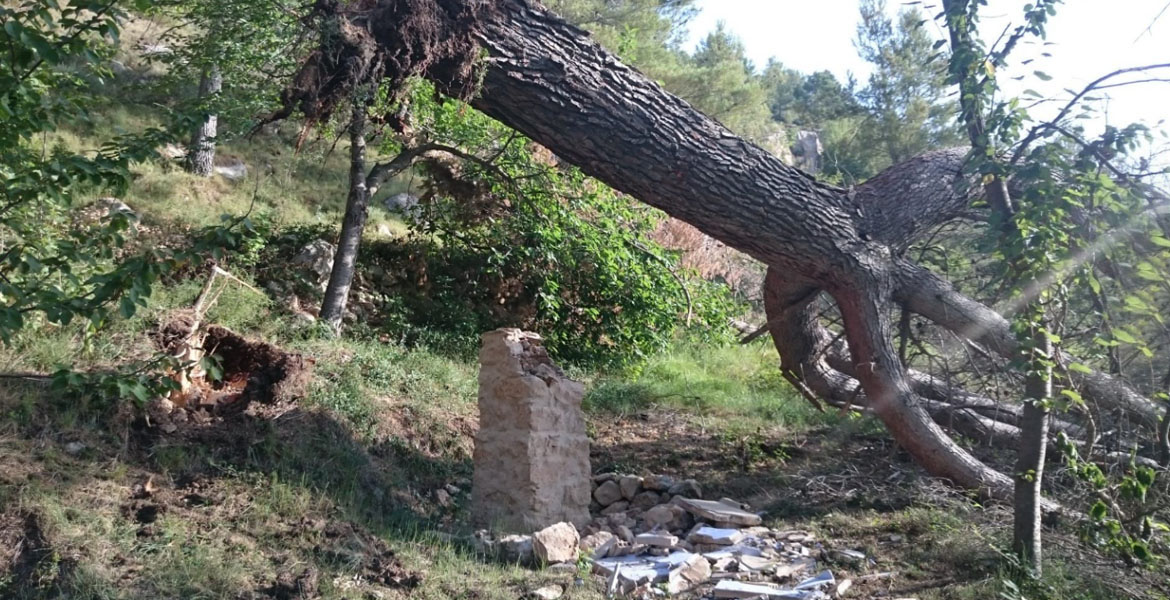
531 451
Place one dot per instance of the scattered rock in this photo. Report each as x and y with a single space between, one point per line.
75 448
114 206
549 592
843 587
658 483
516 548
807 152
402 203
599 545
317 255
231 168
630 486
796 567
659 516
849 557
617 507
607 493
556 543
150 50
688 488
646 500
625 533
443 498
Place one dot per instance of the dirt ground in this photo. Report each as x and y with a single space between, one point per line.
288 502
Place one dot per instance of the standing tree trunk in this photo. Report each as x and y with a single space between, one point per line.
356 210
201 154
1026 531
1037 345
532 71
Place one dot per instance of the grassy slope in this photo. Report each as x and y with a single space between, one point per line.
341 489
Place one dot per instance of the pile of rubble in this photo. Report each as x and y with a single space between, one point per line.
653 535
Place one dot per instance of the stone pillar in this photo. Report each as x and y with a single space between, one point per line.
531 451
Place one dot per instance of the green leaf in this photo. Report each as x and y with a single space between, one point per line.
1124 336
1098 511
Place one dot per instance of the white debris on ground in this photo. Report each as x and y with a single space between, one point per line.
654 536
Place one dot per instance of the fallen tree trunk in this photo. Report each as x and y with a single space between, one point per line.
548 80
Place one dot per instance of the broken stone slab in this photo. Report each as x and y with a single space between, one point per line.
843 587
729 588
714 535
756 563
694 571
633 571
598 545
796 567
621 548
733 551
656 539
722 564
628 572
735 503
821 580
556 543
720 512
850 557
607 493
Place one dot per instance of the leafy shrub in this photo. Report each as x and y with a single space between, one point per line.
519 240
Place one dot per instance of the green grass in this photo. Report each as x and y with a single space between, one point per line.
283 187
729 386
382 426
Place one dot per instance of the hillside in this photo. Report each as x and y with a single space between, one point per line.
180 416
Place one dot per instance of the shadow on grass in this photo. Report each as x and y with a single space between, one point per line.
324 497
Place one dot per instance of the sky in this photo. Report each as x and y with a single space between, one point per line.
1089 38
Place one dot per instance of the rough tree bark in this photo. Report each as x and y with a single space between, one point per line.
352 224
548 80
201 154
